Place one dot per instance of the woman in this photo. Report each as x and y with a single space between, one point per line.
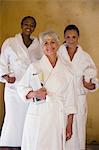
49 118
85 73
16 55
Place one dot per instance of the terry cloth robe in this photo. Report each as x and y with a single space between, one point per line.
82 64
45 124
14 59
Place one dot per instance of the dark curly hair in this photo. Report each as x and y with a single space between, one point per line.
27 17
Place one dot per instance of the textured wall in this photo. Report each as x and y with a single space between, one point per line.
56 14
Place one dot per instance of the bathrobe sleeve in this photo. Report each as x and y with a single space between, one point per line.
30 81
70 98
23 87
4 60
94 73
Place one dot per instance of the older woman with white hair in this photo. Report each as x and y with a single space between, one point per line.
48 88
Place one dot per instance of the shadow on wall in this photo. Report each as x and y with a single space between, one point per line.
93 147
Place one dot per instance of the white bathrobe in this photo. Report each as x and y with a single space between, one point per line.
46 120
14 59
82 64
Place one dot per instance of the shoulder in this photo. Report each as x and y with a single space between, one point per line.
85 56
35 39
67 65
66 68
83 52
6 46
7 41
36 66
35 44
61 48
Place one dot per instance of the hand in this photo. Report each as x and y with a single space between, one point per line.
89 85
9 79
30 95
69 127
41 93
68 131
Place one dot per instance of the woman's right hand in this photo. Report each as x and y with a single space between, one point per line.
9 79
41 94
89 85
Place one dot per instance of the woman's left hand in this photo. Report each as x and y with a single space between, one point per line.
69 127
68 131
89 85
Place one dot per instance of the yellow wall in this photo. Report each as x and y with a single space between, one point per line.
56 14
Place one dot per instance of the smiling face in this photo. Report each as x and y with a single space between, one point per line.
28 26
50 46
71 37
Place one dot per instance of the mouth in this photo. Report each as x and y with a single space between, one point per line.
28 30
50 51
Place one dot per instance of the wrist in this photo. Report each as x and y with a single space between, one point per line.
30 95
6 77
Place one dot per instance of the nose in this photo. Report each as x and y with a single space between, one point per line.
70 40
49 46
29 26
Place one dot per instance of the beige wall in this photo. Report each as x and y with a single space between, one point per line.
56 14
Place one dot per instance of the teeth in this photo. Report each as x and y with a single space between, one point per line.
28 29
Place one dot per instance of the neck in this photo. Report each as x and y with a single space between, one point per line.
26 39
71 51
53 60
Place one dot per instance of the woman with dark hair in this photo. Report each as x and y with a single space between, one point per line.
16 55
85 73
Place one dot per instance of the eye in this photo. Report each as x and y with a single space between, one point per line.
25 24
30 25
45 43
67 37
53 42
74 37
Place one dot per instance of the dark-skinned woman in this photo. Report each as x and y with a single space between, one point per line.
16 55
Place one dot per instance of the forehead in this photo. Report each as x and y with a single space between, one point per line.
71 32
48 38
28 20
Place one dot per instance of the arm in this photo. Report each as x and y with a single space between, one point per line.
92 83
8 78
30 87
4 64
89 85
70 106
40 93
69 131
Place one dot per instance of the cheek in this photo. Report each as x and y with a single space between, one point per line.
45 51
56 46
32 29
66 39
44 48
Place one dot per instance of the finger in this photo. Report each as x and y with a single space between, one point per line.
67 138
90 80
44 89
83 79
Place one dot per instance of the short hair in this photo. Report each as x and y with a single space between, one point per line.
72 27
29 17
48 33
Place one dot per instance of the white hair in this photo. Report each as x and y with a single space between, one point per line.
46 34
